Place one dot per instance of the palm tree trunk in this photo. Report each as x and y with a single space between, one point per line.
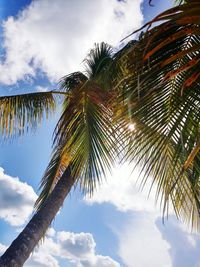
24 244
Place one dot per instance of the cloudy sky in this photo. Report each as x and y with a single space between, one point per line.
42 40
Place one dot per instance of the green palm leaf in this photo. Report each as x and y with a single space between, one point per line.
86 130
18 113
161 88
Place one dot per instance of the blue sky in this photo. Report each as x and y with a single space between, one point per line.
41 41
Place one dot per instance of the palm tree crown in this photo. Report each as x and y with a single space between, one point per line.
84 137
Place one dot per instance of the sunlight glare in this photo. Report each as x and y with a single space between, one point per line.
131 127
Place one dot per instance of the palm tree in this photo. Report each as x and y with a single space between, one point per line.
152 83
85 142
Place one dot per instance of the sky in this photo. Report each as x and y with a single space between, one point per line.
41 41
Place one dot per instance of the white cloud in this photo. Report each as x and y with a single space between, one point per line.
124 193
16 199
51 232
145 241
44 255
2 248
105 262
80 248
184 246
56 36
41 89
99 261
141 243
77 248
80 245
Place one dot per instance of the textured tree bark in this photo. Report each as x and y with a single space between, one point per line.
23 245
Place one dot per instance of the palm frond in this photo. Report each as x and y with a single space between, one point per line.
86 132
19 113
161 88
